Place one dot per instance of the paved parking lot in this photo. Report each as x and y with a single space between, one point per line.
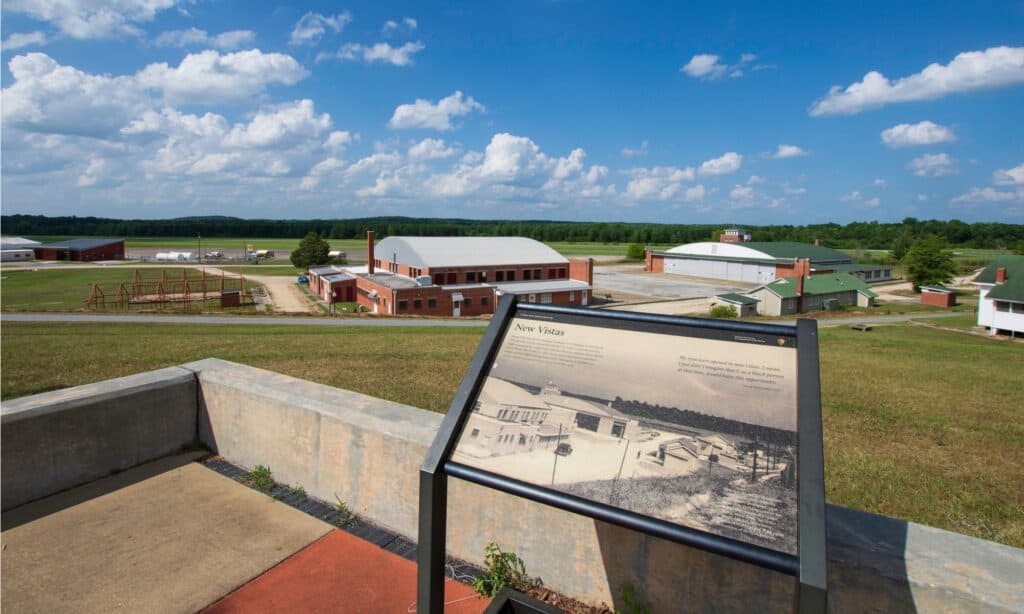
631 279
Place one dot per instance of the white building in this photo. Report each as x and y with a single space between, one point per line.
1001 295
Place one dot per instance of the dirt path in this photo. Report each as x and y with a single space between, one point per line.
284 293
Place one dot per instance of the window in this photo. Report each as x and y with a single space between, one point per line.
1002 306
470 277
482 276
417 303
467 301
545 298
510 275
474 433
403 304
484 300
532 298
499 276
522 439
572 296
536 274
526 275
431 303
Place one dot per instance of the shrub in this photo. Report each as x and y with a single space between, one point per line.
501 569
724 311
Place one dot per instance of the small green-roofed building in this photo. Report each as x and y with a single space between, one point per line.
745 305
1001 295
812 293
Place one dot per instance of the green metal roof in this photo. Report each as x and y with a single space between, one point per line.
1014 268
1013 288
738 298
792 249
829 283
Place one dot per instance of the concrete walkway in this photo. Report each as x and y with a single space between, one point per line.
174 536
168 536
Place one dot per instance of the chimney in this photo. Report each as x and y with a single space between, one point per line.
1001 275
800 293
369 251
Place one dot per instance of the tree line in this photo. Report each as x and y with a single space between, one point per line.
855 235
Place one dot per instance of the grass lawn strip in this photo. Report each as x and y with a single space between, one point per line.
921 424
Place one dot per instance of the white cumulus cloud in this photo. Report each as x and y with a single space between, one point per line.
789 151
921 133
378 52
709 66
194 36
92 19
933 165
729 163
280 126
967 72
425 114
430 149
18 40
210 77
312 26
988 195
1010 176
657 183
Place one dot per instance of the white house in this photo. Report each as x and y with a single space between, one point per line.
1001 295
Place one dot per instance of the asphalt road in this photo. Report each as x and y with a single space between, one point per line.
241 320
320 321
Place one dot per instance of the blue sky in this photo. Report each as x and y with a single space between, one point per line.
743 113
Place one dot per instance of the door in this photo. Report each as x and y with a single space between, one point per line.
456 308
583 298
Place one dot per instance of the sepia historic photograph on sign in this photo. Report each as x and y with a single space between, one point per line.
696 431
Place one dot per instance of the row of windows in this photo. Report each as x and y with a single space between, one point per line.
516 414
417 303
512 438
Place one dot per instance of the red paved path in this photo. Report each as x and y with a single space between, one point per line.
341 573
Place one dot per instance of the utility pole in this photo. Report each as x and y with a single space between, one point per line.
200 238
557 442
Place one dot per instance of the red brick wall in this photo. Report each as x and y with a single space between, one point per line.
939 299
654 264
797 269
582 269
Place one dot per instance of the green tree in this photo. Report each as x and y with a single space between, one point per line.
312 250
901 244
635 251
929 263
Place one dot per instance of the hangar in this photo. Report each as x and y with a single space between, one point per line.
758 262
82 250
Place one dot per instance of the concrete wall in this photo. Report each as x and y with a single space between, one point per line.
368 451
57 440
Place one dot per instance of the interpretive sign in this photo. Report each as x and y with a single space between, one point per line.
700 431
693 430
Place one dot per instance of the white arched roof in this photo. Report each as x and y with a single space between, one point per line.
725 250
427 252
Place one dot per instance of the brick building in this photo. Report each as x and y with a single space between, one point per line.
82 250
455 276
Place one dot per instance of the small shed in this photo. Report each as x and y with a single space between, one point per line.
745 305
940 296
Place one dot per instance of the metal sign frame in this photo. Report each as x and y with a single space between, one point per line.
809 566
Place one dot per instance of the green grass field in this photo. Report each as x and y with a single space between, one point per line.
213 243
921 424
65 289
